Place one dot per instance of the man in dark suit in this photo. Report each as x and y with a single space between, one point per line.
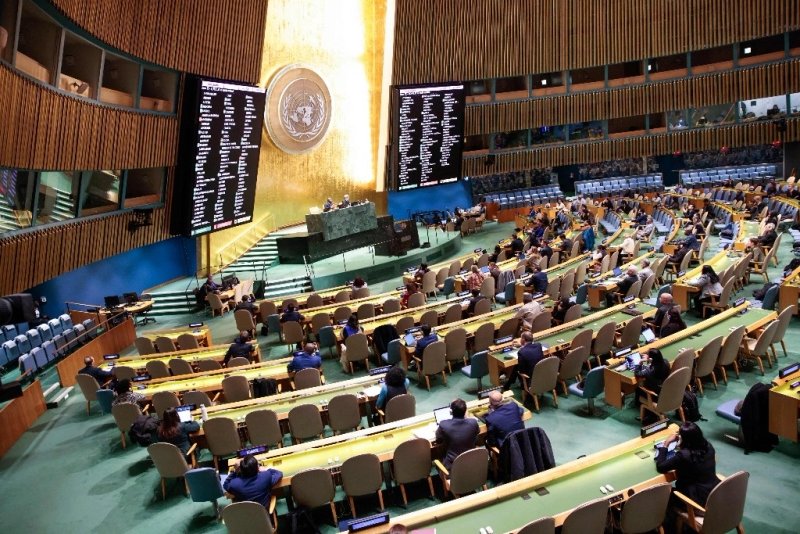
538 282
426 339
631 277
459 433
528 356
473 300
545 250
503 418
89 369
516 244
308 358
291 314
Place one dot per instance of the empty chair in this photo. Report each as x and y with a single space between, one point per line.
545 525
35 339
344 413
416 300
267 308
23 343
392 354
305 422
80 334
758 348
313 301
222 437
217 306
433 362
54 324
236 388
357 350
543 379
247 517
362 475
263 428
482 306
144 346
26 364
326 338
125 413
706 361
468 472
453 314
724 507
313 488
670 397
40 357
483 338
165 344
307 378
244 322
122 372
478 367
292 334
45 332
319 321
631 332
603 341
343 295
646 510
71 339
509 327
204 486
591 387
573 314
238 361
209 364
65 320
169 461
582 340
399 407
430 317
455 347
541 322
391 306
411 462
403 324
49 349
784 318
187 341
571 368
157 369
588 518
366 311
179 366
89 387
429 284
163 400
488 288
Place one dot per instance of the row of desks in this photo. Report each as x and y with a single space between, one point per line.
193 356
683 285
201 333
784 407
552 493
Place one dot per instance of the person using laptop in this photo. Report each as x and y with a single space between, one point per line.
459 434
426 339
504 417
528 356
538 281
172 430
241 347
631 277
248 483
651 372
393 385
308 358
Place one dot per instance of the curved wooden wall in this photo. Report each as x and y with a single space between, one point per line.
219 38
46 129
457 40
658 97
754 133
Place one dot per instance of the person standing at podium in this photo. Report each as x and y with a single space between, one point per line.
345 203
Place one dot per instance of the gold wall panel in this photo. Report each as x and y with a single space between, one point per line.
343 42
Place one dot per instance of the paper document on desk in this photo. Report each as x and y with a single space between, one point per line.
372 391
427 432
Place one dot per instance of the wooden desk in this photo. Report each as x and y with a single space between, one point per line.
627 467
620 383
215 352
784 407
683 285
408 276
369 325
557 271
376 300
211 381
789 292
560 337
380 440
599 286
202 334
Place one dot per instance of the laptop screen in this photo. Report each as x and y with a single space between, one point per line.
185 412
633 359
648 335
442 414
485 269
410 340
617 271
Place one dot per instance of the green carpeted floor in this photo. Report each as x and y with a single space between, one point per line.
69 474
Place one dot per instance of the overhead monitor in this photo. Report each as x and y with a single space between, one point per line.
215 183
429 135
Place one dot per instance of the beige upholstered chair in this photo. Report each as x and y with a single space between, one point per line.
729 352
157 369
222 437
543 379
188 341
646 510
307 378
545 525
263 428
170 462
165 344
248 517
124 415
122 372
588 518
399 407
344 413
235 388
179 366
433 362
412 462
144 346
313 301
217 306
197 398
313 488
237 361
362 475
670 398
455 347
305 422
571 368
706 361
163 400
468 472
208 364
357 350
724 508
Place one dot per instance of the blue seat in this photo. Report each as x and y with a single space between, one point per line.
507 296
105 397
26 364
2 336
11 331
23 343
34 337
45 332
448 286
11 351
326 338
591 387
91 328
274 324
726 410
39 357
581 294
80 333
61 344
71 339
66 321
50 351
55 326
204 486
392 354
478 367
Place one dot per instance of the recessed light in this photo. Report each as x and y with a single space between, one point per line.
544 82
747 49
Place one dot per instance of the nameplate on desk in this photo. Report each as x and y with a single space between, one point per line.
140 378
739 302
463 294
537 295
463 272
412 330
380 370
400 288
788 370
681 273
629 298
478 250
484 393
196 325
623 351
259 449
508 349
357 525
505 339
342 322
108 357
656 427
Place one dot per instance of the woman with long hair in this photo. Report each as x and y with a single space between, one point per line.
693 460
172 430
709 285
352 327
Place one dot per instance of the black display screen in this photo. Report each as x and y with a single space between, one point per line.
429 135
220 147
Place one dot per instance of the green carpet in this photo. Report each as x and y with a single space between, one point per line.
68 473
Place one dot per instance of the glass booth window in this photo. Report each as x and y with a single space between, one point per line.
548 134
712 59
667 67
713 115
509 88
80 67
16 199
479 91
586 130
8 24
158 90
144 187
120 81
678 120
794 103
57 196
39 41
100 192
762 108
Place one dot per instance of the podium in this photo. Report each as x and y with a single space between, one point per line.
343 222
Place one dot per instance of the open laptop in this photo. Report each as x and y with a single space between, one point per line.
410 338
185 412
633 359
617 272
442 414
485 269
648 335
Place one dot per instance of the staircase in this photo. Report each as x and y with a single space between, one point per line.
287 286
8 221
262 256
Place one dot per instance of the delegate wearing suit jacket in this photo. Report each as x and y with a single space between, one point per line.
459 435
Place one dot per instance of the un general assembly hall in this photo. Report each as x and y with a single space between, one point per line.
400 266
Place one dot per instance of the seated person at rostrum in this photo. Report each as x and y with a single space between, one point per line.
529 354
631 277
459 434
241 347
248 483
329 205
308 358
504 417
345 203
211 286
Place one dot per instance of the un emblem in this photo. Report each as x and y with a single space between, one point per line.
298 111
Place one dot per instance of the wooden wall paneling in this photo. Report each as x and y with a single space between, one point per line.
18 415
